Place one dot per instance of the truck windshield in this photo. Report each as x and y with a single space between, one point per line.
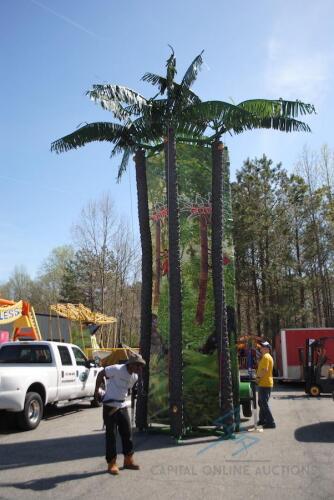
17 353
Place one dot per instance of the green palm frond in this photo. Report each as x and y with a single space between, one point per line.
213 111
119 112
192 72
178 90
182 97
294 108
171 69
151 125
238 124
281 123
111 96
145 129
157 111
98 131
157 80
277 107
249 115
152 148
134 110
124 163
189 128
117 149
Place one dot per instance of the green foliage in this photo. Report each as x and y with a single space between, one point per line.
251 114
158 405
100 131
195 335
163 312
194 170
284 248
201 386
110 98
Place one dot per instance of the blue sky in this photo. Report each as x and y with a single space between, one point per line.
53 51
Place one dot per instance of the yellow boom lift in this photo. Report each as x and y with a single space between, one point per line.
102 350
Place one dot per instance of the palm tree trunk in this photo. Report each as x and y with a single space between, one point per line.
204 270
175 296
230 308
225 376
146 291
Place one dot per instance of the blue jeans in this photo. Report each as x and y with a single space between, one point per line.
265 415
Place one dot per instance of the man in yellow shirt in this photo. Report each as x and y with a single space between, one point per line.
264 377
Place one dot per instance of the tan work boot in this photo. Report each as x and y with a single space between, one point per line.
129 463
112 467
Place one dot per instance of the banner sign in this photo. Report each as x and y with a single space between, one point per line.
10 313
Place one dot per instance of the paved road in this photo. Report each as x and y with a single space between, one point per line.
63 458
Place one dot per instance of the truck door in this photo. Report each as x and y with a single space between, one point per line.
67 375
85 377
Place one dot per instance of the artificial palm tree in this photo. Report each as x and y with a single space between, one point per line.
183 116
160 118
180 113
223 117
127 138
178 96
141 129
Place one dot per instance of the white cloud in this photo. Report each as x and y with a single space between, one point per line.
297 72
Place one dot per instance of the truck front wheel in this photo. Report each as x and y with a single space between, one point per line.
31 416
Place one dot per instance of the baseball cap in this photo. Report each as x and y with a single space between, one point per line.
265 344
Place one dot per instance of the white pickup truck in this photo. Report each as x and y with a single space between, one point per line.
38 373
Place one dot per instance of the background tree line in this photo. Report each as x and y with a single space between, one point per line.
101 269
284 247
283 236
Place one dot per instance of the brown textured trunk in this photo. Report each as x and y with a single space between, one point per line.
221 332
204 270
175 294
146 291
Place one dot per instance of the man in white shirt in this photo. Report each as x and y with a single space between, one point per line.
119 379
